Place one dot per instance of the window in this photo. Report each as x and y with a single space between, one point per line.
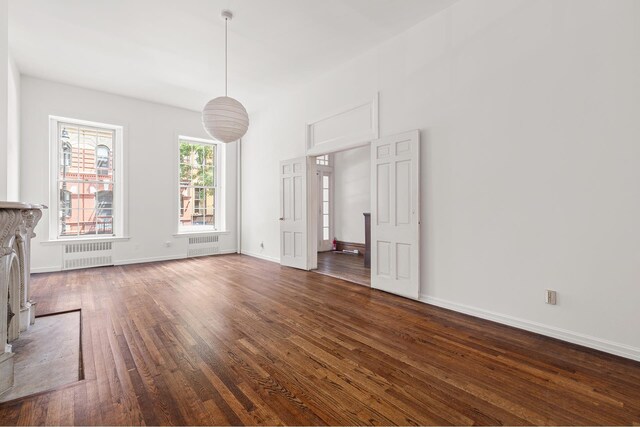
323 160
325 201
325 207
199 185
86 180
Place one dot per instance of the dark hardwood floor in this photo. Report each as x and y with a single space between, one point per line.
237 340
344 266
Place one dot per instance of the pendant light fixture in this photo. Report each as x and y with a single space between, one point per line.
225 118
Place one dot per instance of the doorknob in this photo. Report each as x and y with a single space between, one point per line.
281 219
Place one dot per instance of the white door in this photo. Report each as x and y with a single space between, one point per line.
395 216
293 213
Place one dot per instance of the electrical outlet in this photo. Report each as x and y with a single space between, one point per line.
550 297
261 245
167 244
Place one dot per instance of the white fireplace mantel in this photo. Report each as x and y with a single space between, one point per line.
20 205
17 310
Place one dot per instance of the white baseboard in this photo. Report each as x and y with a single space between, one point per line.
562 334
150 259
168 258
228 251
52 269
261 256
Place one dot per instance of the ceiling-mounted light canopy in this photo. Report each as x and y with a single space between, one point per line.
225 118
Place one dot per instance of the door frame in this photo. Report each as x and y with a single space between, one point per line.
314 196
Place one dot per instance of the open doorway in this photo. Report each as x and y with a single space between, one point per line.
343 214
394 203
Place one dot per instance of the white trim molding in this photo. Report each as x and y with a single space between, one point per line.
348 127
606 346
51 269
120 195
260 256
201 233
166 258
65 241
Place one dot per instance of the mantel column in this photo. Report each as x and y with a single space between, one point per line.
10 220
24 235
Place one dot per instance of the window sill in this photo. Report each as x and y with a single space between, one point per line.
85 240
200 233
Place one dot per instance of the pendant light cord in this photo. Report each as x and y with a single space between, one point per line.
226 20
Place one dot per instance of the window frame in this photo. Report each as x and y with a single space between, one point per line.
219 225
117 153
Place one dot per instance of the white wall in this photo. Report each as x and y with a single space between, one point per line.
352 195
13 132
4 84
528 111
150 150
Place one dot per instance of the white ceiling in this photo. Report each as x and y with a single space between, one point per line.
172 51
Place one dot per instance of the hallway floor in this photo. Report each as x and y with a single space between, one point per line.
344 266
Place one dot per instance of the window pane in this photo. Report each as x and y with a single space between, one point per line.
197 207
209 203
325 220
325 195
87 145
85 208
186 205
207 165
325 181
185 153
185 173
325 208
103 160
325 234
68 140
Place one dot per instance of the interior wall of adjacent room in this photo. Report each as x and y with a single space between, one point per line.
150 152
528 116
352 193
13 131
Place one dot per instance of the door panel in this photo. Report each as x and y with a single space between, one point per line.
395 216
293 213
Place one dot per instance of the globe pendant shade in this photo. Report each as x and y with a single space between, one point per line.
225 119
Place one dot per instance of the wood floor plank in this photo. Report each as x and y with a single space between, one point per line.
237 340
